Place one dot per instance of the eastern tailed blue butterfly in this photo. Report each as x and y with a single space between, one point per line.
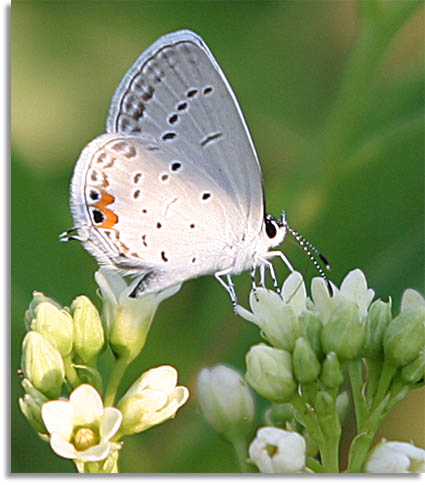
174 189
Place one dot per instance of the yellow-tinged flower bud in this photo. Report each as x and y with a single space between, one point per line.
42 364
89 338
378 318
405 336
331 375
304 360
344 333
55 324
37 298
269 372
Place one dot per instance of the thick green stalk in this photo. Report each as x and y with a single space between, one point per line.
118 370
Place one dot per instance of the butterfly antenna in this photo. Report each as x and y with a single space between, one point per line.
309 249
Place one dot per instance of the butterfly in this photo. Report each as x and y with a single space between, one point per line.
174 190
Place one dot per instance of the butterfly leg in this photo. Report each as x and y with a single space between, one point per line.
229 286
253 282
263 264
69 236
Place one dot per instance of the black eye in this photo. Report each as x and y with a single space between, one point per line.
271 228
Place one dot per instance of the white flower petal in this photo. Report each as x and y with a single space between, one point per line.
62 447
163 378
323 302
396 457
246 315
87 404
354 288
110 424
411 299
294 293
111 284
95 453
58 417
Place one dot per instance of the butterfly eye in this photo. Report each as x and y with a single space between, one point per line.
272 226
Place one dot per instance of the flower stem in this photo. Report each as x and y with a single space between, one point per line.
388 371
120 366
240 447
70 372
356 380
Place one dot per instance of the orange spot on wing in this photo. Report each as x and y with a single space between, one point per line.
110 217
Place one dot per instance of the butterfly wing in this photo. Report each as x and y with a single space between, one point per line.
177 94
141 208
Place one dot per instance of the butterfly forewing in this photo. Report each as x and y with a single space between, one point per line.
177 94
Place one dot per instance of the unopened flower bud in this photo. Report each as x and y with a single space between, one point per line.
311 328
30 405
331 375
269 372
378 318
344 333
226 401
405 336
414 371
88 331
279 414
42 364
55 324
37 298
304 360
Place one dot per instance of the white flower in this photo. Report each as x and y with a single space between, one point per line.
127 319
81 428
396 457
152 399
276 315
275 450
411 299
353 289
226 401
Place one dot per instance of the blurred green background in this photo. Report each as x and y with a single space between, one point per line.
333 94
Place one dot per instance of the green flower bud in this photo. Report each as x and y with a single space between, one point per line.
89 338
405 336
30 405
378 318
414 371
344 333
269 372
279 414
55 325
311 328
42 364
331 375
304 360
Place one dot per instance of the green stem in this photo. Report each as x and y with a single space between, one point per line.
374 368
308 419
356 380
388 371
313 464
240 446
70 372
120 366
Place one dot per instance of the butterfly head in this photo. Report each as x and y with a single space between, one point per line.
275 230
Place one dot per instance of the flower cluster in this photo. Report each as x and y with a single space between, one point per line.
59 352
312 346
